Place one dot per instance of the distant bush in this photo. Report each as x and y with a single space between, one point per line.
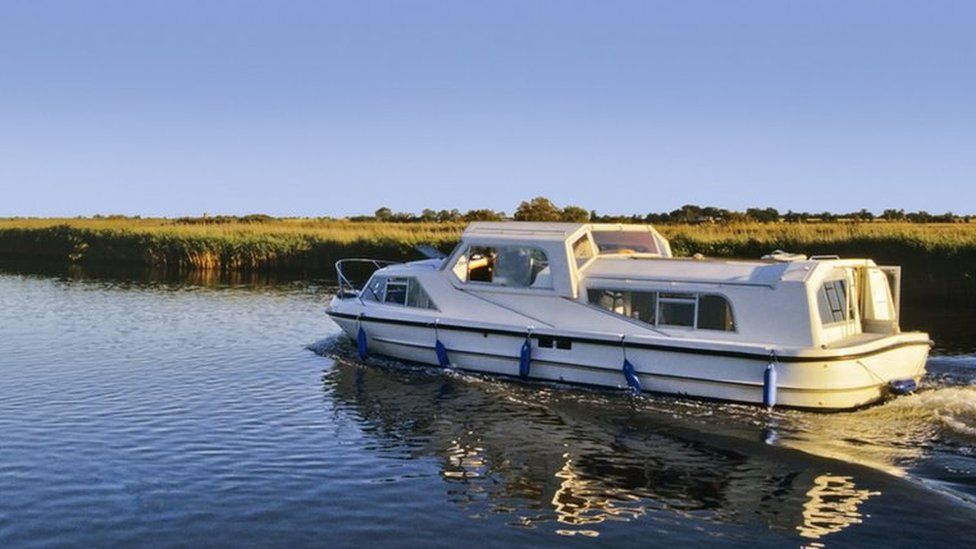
223 219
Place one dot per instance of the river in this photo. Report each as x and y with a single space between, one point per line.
192 411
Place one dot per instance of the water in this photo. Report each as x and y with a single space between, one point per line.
195 412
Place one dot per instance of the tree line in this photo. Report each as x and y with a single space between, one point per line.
542 209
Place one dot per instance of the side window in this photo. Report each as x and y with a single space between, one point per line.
677 309
832 302
582 250
702 311
715 313
637 305
611 300
512 266
400 290
396 291
417 296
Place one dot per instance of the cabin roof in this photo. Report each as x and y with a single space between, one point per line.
522 230
536 230
758 273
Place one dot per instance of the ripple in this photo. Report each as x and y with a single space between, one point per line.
175 414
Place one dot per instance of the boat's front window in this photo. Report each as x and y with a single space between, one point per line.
691 310
513 266
623 242
374 289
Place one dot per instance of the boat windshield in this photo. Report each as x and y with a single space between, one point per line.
625 242
514 266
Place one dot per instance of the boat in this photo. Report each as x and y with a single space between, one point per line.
608 305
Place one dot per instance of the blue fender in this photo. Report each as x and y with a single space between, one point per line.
441 351
769 386
630 373
361 348
525 359
903 386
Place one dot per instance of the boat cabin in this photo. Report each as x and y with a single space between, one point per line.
629 283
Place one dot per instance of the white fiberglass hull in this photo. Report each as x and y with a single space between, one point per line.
848 378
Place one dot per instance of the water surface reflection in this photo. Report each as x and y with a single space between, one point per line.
164 411
582 463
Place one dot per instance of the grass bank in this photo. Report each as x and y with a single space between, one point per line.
939 259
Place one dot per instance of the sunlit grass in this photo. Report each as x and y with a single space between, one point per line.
312 244
283 229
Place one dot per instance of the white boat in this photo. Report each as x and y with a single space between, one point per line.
608 305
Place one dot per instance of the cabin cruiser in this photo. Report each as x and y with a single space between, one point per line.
608 305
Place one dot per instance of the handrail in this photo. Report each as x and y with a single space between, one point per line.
346 287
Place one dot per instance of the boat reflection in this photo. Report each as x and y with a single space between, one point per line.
832 506
581 462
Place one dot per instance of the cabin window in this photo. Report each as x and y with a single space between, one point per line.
677 309
511 266
626 242
715 313
583 250
637 305
417 296
396 291
832 302
399 290
692 310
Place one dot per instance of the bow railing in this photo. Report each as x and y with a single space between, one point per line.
347 287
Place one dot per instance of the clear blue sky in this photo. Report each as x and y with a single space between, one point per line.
327 108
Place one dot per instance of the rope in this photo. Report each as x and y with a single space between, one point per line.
870 371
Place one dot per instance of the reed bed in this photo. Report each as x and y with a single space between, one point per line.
939 259
289 244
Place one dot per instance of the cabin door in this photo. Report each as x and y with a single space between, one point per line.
879 306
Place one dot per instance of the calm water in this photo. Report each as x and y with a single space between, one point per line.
187 412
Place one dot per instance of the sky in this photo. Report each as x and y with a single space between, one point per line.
315 108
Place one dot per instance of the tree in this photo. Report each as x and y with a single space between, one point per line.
793 217
575 214
383 214
484 215
921 216
893 215
763 215
711 213
538 209
428 215
445 215
689 213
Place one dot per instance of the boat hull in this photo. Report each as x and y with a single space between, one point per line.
835 383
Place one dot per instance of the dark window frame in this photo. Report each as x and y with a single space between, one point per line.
665 297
